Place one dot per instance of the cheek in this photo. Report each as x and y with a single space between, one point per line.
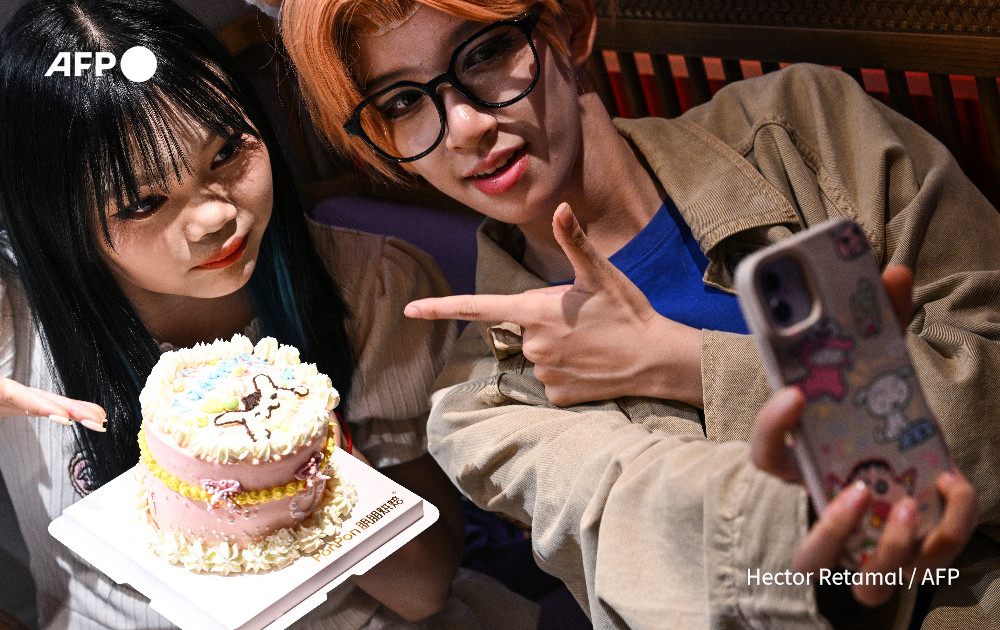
434 169
134 258
257 189
124 241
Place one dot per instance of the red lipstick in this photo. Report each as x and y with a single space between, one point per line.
226 256
505 177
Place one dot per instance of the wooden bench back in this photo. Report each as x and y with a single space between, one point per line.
935 61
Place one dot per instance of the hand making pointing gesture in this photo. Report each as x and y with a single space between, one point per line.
596 339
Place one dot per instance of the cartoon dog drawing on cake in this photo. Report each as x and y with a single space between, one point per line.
258 404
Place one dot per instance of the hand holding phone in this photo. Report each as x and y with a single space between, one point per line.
824 323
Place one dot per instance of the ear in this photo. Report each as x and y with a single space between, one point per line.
582 21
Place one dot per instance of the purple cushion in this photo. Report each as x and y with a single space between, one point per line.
449 237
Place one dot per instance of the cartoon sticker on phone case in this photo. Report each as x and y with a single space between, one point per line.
886 398
850 241
886 487
823 352
864 308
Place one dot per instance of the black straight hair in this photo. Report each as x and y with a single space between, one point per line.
73 146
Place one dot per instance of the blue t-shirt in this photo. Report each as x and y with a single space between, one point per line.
666 263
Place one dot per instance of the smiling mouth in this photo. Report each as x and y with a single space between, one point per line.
227 256
513 155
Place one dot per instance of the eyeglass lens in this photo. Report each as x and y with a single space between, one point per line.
497 67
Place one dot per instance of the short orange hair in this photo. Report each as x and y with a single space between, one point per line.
318 34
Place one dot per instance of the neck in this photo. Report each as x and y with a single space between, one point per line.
613 195
184 321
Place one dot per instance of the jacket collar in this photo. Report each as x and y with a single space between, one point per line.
498 264
717 191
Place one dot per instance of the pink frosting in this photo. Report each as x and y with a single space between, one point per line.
196 520
171 511
252 475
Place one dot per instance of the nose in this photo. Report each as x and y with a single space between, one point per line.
468 126
207 215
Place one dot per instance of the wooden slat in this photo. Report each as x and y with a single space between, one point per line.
666 86
918 52
599 74
989 100
633 86
701 91
732 70
899 93
855 73
947 114
769 66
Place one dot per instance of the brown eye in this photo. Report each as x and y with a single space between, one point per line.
142 208
229 150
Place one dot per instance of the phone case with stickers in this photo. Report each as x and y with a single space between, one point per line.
824 323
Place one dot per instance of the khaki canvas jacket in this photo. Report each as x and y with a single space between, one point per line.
649 522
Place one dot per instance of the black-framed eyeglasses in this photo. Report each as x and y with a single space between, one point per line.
495 67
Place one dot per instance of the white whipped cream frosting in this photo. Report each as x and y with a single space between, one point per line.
190 390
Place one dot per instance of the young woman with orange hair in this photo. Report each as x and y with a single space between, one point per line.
603 409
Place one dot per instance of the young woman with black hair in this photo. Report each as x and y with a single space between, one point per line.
139 216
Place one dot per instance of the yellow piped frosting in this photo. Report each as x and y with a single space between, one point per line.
185 489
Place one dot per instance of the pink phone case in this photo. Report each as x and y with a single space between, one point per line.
865 416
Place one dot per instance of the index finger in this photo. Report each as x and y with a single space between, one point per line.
520 309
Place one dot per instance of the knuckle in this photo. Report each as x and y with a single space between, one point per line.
539 353
557 396
871 596
468 310
578 238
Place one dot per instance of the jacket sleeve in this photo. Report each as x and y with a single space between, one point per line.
837 152
643 520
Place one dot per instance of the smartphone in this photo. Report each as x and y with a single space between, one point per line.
823 322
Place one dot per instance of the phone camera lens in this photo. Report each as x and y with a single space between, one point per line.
770 282
781 311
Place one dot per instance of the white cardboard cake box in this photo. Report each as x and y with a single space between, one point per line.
101 529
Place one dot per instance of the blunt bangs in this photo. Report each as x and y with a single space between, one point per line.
122 133
131 130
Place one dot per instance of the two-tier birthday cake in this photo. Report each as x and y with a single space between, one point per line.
236 447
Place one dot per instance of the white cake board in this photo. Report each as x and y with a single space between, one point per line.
102 530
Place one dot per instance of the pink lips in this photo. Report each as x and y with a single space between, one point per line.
504 178
227 256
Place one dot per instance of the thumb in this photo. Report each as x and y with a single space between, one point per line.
589 266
